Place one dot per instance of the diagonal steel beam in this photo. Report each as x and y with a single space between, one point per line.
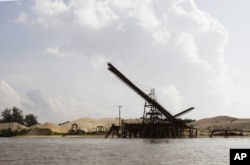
183 112
142 94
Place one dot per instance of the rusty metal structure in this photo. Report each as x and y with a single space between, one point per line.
228 132
157 122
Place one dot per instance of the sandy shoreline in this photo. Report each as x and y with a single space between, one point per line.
60 136
115 137
89 128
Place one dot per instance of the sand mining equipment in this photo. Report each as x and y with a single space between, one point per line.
157 122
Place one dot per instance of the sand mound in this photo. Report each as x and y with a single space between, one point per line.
84 124
222 122
13 126
133 120
35 126
90 125
53 127
217 119
40 131
46 129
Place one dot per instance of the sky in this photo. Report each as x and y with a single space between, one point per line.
54 54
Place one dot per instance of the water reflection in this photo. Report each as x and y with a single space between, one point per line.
118 151
156 141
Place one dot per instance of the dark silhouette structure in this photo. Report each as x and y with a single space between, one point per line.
228 132
157 121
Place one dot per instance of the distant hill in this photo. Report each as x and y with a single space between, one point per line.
222 122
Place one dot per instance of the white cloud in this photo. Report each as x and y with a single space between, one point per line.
186 42
9 97
53 51
230 96
173 98
59 52
179 20
57 14
159 43
95 14
8 0
59 108
23 19
99 61
161 37
171 33
51 13
66 108
143 12
71 109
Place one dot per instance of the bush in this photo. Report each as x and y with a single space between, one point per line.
16 115
6 133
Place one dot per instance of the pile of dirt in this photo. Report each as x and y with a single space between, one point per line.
40 131
222 122
84 124
53 127
90 125
13 126
46 129
34 126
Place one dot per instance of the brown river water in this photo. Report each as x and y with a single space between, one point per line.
101 151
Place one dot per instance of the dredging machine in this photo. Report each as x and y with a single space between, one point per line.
157 122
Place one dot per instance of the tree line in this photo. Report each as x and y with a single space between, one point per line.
16 115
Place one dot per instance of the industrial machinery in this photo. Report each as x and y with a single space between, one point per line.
157 122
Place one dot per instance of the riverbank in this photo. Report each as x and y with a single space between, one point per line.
60 136
87 127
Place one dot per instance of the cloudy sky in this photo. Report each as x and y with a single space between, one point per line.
54 54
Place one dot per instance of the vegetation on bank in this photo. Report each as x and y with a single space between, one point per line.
16 115
9 133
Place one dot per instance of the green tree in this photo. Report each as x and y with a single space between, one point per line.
12 115
7 116
17 115
30 120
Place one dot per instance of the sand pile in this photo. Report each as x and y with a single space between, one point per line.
53 127
222 122
90 125
46 129
133 120
13 126
84 124
34 126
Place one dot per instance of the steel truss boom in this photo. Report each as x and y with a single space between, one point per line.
142 94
